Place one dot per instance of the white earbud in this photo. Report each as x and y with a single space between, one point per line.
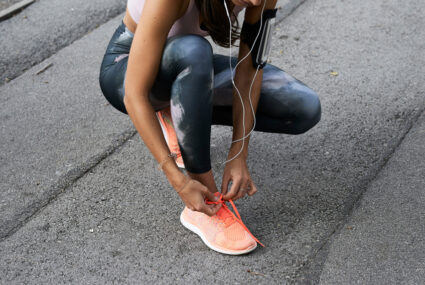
233 82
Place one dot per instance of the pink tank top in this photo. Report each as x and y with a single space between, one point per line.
187 24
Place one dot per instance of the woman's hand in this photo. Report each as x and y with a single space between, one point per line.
193 195
237 172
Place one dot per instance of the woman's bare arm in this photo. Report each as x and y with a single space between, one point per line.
236 170
145 55
150 36
243 78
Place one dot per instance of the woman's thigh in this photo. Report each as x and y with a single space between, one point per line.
182 55
114 67
286 104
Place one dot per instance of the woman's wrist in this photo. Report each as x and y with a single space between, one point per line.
174 174
236 148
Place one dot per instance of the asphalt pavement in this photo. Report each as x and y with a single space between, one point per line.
7 3
383 242
45 27
81 201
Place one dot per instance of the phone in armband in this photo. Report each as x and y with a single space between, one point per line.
265 42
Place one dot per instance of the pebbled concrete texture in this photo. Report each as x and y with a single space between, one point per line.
47 26
54 127
49 125
7 3
118 223
30 37
384 240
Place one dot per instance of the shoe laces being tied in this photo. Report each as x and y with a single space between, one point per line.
228 216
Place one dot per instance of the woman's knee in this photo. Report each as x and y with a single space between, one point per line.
188 50
111 85
290 100
309 111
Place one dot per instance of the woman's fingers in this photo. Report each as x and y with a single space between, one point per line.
194 198
224 185
233 190
215 208
210 196
253 189
239 189
243 190
210 210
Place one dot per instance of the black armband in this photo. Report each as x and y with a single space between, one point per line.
260 52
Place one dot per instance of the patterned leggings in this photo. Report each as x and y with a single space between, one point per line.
197 86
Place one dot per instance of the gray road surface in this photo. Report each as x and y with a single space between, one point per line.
384 241
31 36
35 186
118 222
7 3
45 27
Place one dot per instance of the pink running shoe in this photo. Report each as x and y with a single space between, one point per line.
223 232
164 118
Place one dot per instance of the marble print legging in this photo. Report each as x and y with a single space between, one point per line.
197 86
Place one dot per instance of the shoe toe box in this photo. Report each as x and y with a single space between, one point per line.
235 238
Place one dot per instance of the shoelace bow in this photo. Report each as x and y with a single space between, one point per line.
237 217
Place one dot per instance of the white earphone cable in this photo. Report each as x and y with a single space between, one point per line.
252 83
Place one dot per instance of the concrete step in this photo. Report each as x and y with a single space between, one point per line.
119 221
383 241
55 125
51 116
47 26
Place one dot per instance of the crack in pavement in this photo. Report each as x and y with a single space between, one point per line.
73 175
65 181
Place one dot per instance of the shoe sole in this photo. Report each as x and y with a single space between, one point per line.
164 132
194 229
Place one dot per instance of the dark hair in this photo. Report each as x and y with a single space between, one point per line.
216 22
